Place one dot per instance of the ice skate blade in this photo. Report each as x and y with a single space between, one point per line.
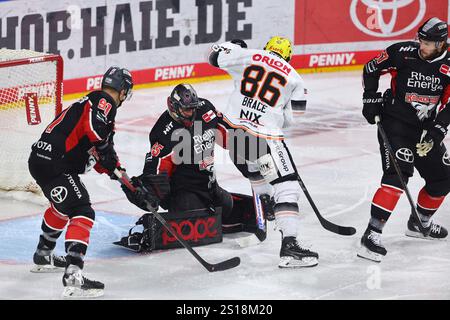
291 262
46 269
369 255
418 234
77 293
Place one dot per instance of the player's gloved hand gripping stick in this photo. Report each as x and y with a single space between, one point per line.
399 173
224 265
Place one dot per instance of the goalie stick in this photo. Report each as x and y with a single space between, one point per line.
328 225
399 174
224 265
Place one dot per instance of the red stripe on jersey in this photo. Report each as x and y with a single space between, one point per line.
165 164
55 220
222 138
445 98
393 73
386 198
82 128
88 124
57 121
77 132
428 202
79 229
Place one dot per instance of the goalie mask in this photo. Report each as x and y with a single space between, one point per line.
280 46
183 104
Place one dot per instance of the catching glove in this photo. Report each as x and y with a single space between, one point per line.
142 197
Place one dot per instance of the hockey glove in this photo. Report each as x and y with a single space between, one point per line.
142 197
107 156
433 135
372 104
240 43
158 183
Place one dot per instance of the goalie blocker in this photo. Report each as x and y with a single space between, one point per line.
197 227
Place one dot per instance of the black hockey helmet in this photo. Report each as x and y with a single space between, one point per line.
433 29
183 97
119 79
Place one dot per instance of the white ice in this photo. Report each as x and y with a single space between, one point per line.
336 153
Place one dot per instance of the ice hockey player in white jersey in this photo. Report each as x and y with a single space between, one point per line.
268 94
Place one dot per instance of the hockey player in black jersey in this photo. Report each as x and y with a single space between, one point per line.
179 171
79 138
415 114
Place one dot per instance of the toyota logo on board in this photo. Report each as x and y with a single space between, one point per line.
386 25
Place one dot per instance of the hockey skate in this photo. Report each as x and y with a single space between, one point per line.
371 247
292 255
78 286
46 262
434 231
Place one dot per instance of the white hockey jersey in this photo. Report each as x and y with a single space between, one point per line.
265 85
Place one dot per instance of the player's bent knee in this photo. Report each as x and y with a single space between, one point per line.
392 180
82 211
438 188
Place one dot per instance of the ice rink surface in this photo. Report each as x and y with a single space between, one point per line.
337 156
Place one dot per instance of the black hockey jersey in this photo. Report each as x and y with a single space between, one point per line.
420 88
185 154
68 142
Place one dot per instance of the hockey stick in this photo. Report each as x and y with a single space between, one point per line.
224 265
345 231
399 173
261 231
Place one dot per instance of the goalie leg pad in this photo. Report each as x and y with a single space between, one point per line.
140 241
242 217
197 227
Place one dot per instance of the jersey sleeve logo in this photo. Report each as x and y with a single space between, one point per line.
210 115
156 149
445 69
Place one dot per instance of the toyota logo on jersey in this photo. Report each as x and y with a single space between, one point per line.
405 154
58 194
386 18
446 159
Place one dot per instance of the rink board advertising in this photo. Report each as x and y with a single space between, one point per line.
162 40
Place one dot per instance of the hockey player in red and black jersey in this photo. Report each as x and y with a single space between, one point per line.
415 114
79 138
179 170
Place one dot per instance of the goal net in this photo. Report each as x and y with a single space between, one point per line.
30 97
